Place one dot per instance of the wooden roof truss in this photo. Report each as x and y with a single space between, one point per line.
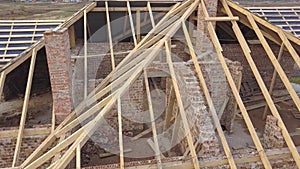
62 145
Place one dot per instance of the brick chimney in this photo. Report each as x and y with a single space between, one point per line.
59 63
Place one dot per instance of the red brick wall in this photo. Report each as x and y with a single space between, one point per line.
7 146
59 64
262 61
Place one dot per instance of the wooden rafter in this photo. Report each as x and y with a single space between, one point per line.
267 96
153 125
24 109
274 76
181 108
235 92
79 137
131 23
207 95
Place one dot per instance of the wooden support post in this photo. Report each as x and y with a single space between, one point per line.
131 23
138 25
181 108
72 36
24 110
110 36
273 80
154 132
85 83
235 91
52 121
2 80
285 80
208 97
239 88
78 156
120 134
151 14
169 110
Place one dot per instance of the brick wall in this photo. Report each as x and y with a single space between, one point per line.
262 61
201 125
29 144
59 64
98 66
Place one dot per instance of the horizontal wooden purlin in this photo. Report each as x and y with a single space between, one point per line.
30 21
14 48
4 60
24 30
222 19
16 42
9 55
21 36
124 9
27 132
31 24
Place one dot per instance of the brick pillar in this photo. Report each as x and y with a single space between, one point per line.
272 137
59 64
201 34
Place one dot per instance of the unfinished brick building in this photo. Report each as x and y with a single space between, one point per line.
153 84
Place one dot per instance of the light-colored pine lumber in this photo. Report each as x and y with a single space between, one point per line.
24 109
150 14
221 19
85 67
181 107
207 94
120 134
235 92
124 9
110 36
78 155
138 25
169 110
2 81
292 92
153 125
274 76
131 23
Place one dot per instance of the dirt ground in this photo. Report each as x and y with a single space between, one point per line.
240 138
27 11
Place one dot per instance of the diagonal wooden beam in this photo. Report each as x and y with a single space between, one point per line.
154 132
120 134
285 80
181 108
131 23
24 109
274 76
85 83
151 14
207 96
2 82
109 36
236 94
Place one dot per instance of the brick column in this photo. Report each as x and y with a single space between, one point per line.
59 64
201 34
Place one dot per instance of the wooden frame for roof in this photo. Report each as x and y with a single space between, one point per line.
18 35
123 74
288 18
